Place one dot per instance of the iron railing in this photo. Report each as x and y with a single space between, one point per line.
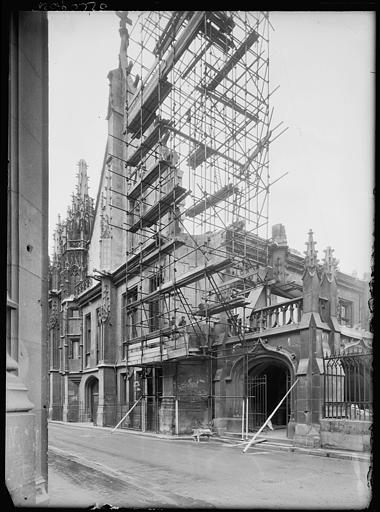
348 384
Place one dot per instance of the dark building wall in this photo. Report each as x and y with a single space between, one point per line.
26 473
55 399
192 389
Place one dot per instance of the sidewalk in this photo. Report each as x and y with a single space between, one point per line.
269 441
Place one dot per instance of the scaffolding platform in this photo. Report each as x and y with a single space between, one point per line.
241 281
154 335
199 155
289 290
219 36
177 194
150 141
141 262
142 112
233 60
225 23
184 40
187 278
229 102
247 245
237 302
149 177
211 200
170 31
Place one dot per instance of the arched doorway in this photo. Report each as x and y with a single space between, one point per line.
267 383
92 398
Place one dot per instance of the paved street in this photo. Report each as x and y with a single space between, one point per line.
90 466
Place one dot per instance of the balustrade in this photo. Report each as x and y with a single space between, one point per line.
83 285
279 315
74 244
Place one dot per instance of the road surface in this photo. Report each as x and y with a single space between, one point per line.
90 466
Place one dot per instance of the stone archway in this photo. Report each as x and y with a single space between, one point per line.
263 377
92 398
267 383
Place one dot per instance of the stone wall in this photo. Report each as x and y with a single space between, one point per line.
189 383
352 435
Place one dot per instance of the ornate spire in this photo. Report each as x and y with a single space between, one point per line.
82 186
311 260
330 264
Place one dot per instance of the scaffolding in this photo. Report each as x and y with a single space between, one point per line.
196 141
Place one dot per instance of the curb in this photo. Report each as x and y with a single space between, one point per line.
126 431
318 452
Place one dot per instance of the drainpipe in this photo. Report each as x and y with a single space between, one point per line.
176 416
242 418
246 419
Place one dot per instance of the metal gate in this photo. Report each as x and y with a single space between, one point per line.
257 401
289 398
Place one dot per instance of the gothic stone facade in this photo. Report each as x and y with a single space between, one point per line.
103 359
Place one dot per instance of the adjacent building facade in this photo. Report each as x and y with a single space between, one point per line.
27 261
165 300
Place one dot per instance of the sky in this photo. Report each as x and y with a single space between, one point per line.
324 65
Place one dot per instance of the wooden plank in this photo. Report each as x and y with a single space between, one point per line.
233 60
159 209
149 176
150 141
228 102
192 139
185 280
141 115
211 200
170 31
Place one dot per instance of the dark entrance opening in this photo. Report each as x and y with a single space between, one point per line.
267 384
92 398
153 398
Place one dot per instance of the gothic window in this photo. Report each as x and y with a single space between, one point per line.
123 388
138 385
154 306
87 339
131 389
98 336
54 344
74 348
345 312
131 315
123 317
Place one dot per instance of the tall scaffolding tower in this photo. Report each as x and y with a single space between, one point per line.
196 138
